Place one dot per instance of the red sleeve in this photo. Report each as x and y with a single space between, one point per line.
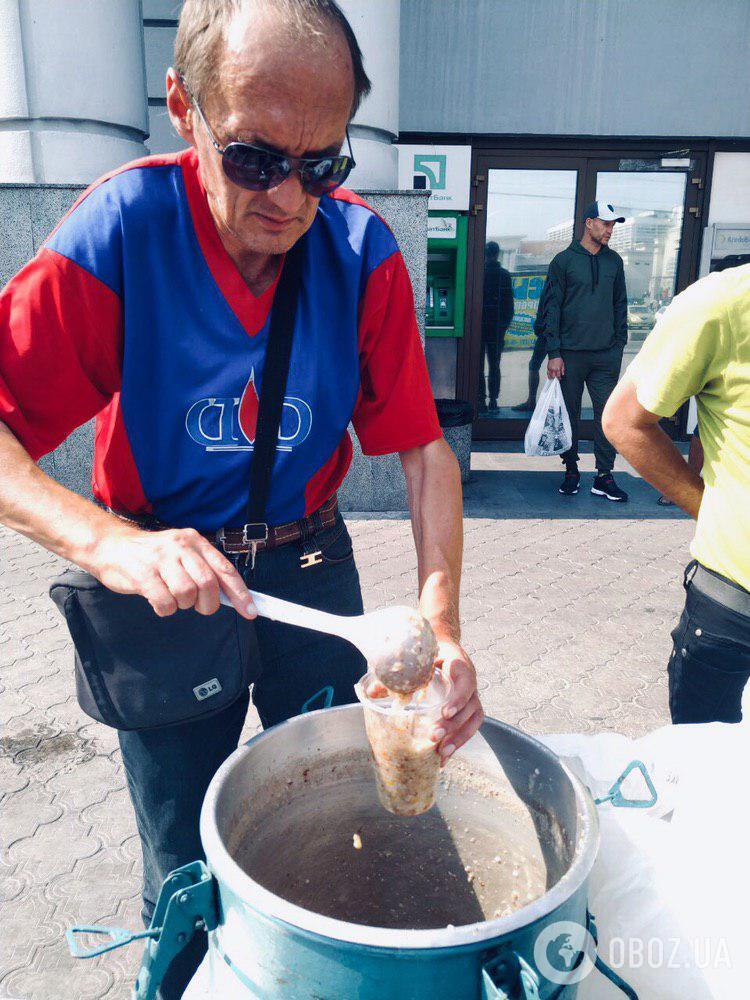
60 350
395 410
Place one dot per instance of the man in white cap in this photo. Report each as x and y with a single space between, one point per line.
586 326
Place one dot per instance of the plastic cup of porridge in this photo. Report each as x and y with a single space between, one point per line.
404 757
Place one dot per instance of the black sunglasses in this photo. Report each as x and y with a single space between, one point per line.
258 169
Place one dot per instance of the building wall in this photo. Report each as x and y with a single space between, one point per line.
159 29
576 67
72 89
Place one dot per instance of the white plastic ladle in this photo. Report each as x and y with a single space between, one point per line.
381 636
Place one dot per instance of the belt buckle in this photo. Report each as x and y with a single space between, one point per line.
308 559
253 534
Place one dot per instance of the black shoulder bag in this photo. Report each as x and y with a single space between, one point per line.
135 670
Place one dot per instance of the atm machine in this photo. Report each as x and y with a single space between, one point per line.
446 293
724 245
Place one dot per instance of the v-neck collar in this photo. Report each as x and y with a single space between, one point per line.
251 311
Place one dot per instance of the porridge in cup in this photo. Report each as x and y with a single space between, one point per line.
405 759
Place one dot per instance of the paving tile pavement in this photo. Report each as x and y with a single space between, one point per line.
568 621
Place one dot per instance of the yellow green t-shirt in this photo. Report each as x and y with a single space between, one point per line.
701 347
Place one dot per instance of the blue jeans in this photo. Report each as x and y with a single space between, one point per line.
169 769
710 661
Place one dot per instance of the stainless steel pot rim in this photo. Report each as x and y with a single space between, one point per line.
267 904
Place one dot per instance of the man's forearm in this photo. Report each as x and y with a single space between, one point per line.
437 522
171 569
652 453
32 503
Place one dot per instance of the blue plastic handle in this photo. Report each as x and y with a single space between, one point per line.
325 695
615 796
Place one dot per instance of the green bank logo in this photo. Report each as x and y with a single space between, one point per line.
434 169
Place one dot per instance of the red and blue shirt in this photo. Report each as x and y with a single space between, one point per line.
134 311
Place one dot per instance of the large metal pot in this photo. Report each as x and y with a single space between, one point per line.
308 782
297 908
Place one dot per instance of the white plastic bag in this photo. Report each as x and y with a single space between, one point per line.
549 430
671 885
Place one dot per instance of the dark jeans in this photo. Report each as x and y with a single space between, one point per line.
710 661
169 770
492 350
599 372
538 354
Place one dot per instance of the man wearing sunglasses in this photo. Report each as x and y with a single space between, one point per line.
149 306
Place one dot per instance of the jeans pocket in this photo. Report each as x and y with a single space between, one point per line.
674 671
334 543
708 673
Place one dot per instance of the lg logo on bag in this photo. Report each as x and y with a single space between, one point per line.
207 689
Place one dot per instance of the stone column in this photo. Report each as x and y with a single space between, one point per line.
72 89
375 128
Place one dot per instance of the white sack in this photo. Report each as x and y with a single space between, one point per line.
671 884
549 430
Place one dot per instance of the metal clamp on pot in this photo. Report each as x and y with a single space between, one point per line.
186 906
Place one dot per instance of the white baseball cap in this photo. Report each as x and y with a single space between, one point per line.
605 212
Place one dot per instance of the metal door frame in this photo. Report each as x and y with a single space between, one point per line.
588 160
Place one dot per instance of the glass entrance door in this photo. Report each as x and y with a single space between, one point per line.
649 242
529 207
529 218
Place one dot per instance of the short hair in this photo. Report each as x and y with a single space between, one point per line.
201 28
492 249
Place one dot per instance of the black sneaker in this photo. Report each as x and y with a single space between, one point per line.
605 486
570 484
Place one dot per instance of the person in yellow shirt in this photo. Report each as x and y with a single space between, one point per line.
700 347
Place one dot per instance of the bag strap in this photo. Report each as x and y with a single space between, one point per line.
271 403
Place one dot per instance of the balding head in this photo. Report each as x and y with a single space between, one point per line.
210 29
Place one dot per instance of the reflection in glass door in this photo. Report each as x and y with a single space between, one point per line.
530 217
649 242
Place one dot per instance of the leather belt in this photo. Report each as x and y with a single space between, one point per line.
253 538
719 589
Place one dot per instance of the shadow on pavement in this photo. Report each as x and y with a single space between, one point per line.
507 484
505 493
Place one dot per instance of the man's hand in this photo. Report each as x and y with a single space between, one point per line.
462 713
172 569
555 368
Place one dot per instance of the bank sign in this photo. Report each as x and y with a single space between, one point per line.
445 170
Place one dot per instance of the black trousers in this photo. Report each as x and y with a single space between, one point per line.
598 371
710 661
492 350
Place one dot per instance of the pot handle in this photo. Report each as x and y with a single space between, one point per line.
602 966
186 905
615 796
508 975
324 696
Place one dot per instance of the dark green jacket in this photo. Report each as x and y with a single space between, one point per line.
586 302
